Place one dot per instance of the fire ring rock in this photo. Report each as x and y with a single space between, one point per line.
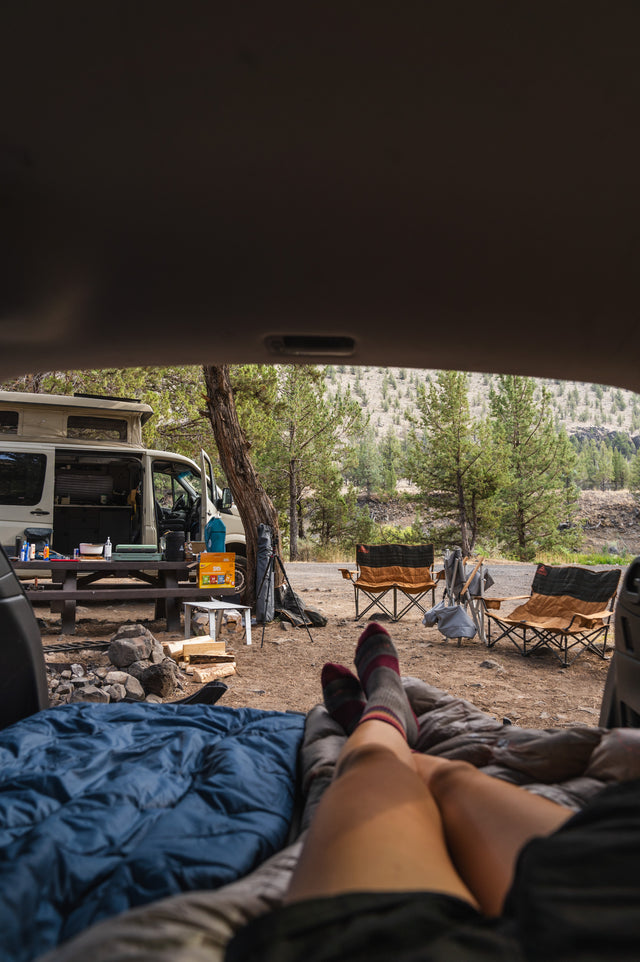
132 631
135 691
159 679
138 668
124 651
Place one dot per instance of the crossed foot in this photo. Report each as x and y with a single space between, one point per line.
376 692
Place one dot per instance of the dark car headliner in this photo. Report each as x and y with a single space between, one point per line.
447 184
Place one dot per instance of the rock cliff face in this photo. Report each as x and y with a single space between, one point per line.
600 434
611 521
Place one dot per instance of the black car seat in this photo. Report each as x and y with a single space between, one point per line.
621 699
23 677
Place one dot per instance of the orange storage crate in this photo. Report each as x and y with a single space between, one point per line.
216 569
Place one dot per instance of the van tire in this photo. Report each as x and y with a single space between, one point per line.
241 576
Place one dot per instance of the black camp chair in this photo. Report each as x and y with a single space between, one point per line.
568 611
403 571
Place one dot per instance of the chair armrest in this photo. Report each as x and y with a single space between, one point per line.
346 573
440 575
596 616
599 615
495 602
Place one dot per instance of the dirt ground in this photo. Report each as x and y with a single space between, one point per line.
281 669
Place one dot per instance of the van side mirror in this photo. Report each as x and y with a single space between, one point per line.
227 499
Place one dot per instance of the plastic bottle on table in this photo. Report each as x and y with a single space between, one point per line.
107 550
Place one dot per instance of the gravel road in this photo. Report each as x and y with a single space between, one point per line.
509 579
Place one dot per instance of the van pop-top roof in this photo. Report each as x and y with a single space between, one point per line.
77 419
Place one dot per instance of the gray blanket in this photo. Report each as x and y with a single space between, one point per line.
566 765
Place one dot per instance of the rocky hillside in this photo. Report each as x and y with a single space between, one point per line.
388 394
610 519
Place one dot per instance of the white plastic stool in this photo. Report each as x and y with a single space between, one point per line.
216 610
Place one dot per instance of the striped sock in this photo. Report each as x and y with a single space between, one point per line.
343 695
379 672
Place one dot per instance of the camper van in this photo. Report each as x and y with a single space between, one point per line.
75 470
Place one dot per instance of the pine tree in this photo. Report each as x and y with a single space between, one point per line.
634 474
620 470
538 494
452 458
390 450
309 430
604 467
362 464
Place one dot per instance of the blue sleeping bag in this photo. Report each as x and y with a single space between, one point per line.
105 807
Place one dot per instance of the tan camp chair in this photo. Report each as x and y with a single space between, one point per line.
396 569
568 608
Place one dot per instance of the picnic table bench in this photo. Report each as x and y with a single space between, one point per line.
163 582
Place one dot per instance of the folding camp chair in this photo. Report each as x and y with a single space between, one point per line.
396 570
569 607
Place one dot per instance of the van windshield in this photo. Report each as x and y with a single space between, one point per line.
193 482
177 487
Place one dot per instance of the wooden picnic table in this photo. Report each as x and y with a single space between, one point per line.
72 581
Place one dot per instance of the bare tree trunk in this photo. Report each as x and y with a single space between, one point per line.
462 513
293 511
300 503
254 504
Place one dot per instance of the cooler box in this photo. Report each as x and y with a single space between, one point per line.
136 552
216 569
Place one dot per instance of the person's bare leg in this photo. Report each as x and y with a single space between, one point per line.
486 823
377 828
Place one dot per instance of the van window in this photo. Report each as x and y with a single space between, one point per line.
96 429
8 422
21 477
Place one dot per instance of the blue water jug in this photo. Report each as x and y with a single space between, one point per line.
215 535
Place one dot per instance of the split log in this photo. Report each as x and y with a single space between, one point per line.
213 659
203 675
203 645
173 649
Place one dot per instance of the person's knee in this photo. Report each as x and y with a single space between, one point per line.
447 780
364 755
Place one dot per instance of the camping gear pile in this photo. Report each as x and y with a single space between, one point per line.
460 614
